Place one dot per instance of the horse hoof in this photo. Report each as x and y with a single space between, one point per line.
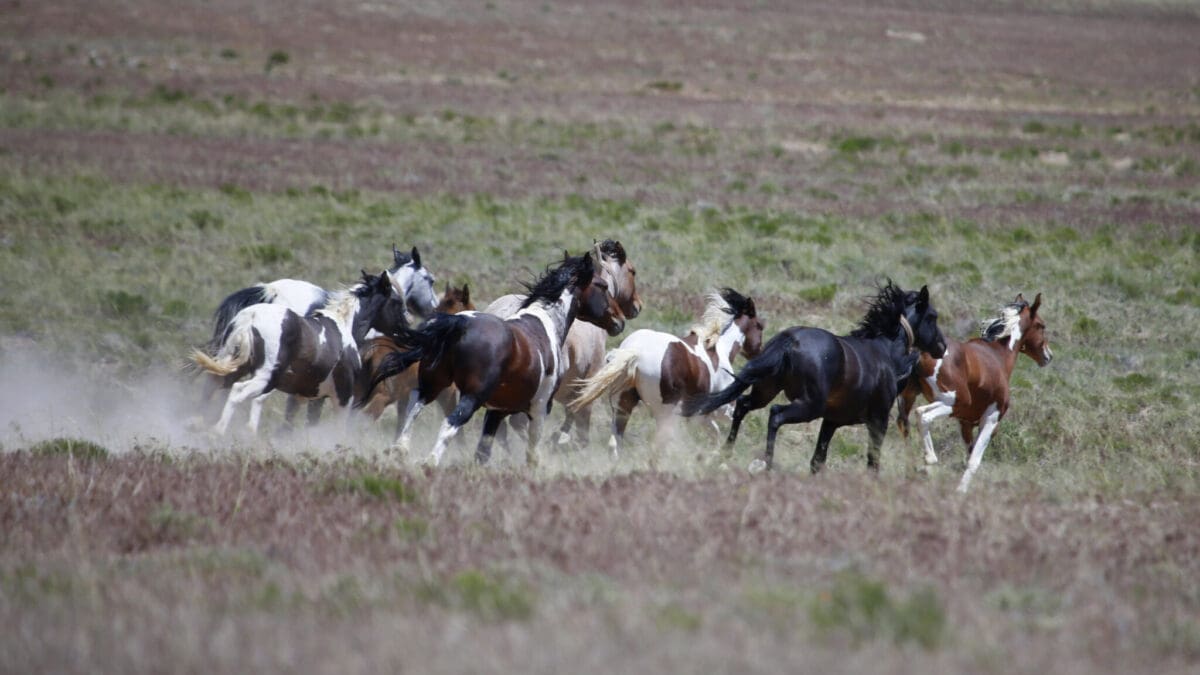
563 438
756 467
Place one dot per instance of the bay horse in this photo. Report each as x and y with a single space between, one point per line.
509 365
584 348
662 370
396 389
269 347
970 381
412 282
845 380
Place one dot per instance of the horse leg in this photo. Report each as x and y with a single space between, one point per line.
583 426
564 431
491 422
241 391
822 450
627 401
467 405
537 419
403 440
876 429
904 405
991 417
790 413
925 415
256 406
758 397
967 429
289 413
314 411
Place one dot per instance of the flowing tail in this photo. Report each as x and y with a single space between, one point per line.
235 351
430 339
772 359
229 308
619 371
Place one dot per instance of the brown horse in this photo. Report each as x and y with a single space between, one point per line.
584 348
662 370
509 365
397 388
970 382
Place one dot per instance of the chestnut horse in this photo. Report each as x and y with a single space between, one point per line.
509 365
970 381
845 380
396 389
312 357
585 342
662 370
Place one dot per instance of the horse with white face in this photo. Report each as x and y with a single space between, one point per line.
585 342
970 381
509 365
662 370
269 347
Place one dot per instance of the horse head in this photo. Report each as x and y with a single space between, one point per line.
921 318
413 282
455 300
1033 342
376 308
595 301
745 317
620 275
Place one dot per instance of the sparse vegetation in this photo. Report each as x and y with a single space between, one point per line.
143 179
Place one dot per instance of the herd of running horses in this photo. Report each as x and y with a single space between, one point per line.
390 340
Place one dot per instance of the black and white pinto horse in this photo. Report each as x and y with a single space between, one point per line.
509 366
269 346
845 380
411 282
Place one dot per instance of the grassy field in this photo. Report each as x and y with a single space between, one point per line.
157 156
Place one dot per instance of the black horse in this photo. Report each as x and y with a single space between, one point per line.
846 380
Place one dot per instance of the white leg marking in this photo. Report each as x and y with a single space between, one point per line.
925 415
238 394
256 407
404 438
535 434
614 446
448 432
991 417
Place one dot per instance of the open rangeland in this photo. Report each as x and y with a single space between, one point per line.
157 155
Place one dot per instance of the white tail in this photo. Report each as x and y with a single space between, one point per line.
234 353
619 371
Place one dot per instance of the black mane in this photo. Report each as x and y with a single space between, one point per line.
613 249
739 304
883 312
576 271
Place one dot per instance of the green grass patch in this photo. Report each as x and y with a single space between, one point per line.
491 597
376 486
864 609
75 447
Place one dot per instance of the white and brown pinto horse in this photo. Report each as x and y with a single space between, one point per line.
970 382
269 347
662 370
508 366
584 349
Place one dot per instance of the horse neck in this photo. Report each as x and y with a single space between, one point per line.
343 309
560 313
728 343
1008 355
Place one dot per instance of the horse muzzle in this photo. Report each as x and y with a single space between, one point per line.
1047 357
617 326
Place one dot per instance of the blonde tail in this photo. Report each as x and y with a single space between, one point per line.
619 371
234 353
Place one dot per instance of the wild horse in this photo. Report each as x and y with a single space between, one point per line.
509 365
662 370
970 381
844 380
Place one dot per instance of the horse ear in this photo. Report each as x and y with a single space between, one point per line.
1037 301
466 294
750 310
1020 299
416 257
447 291
923 296
396 254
